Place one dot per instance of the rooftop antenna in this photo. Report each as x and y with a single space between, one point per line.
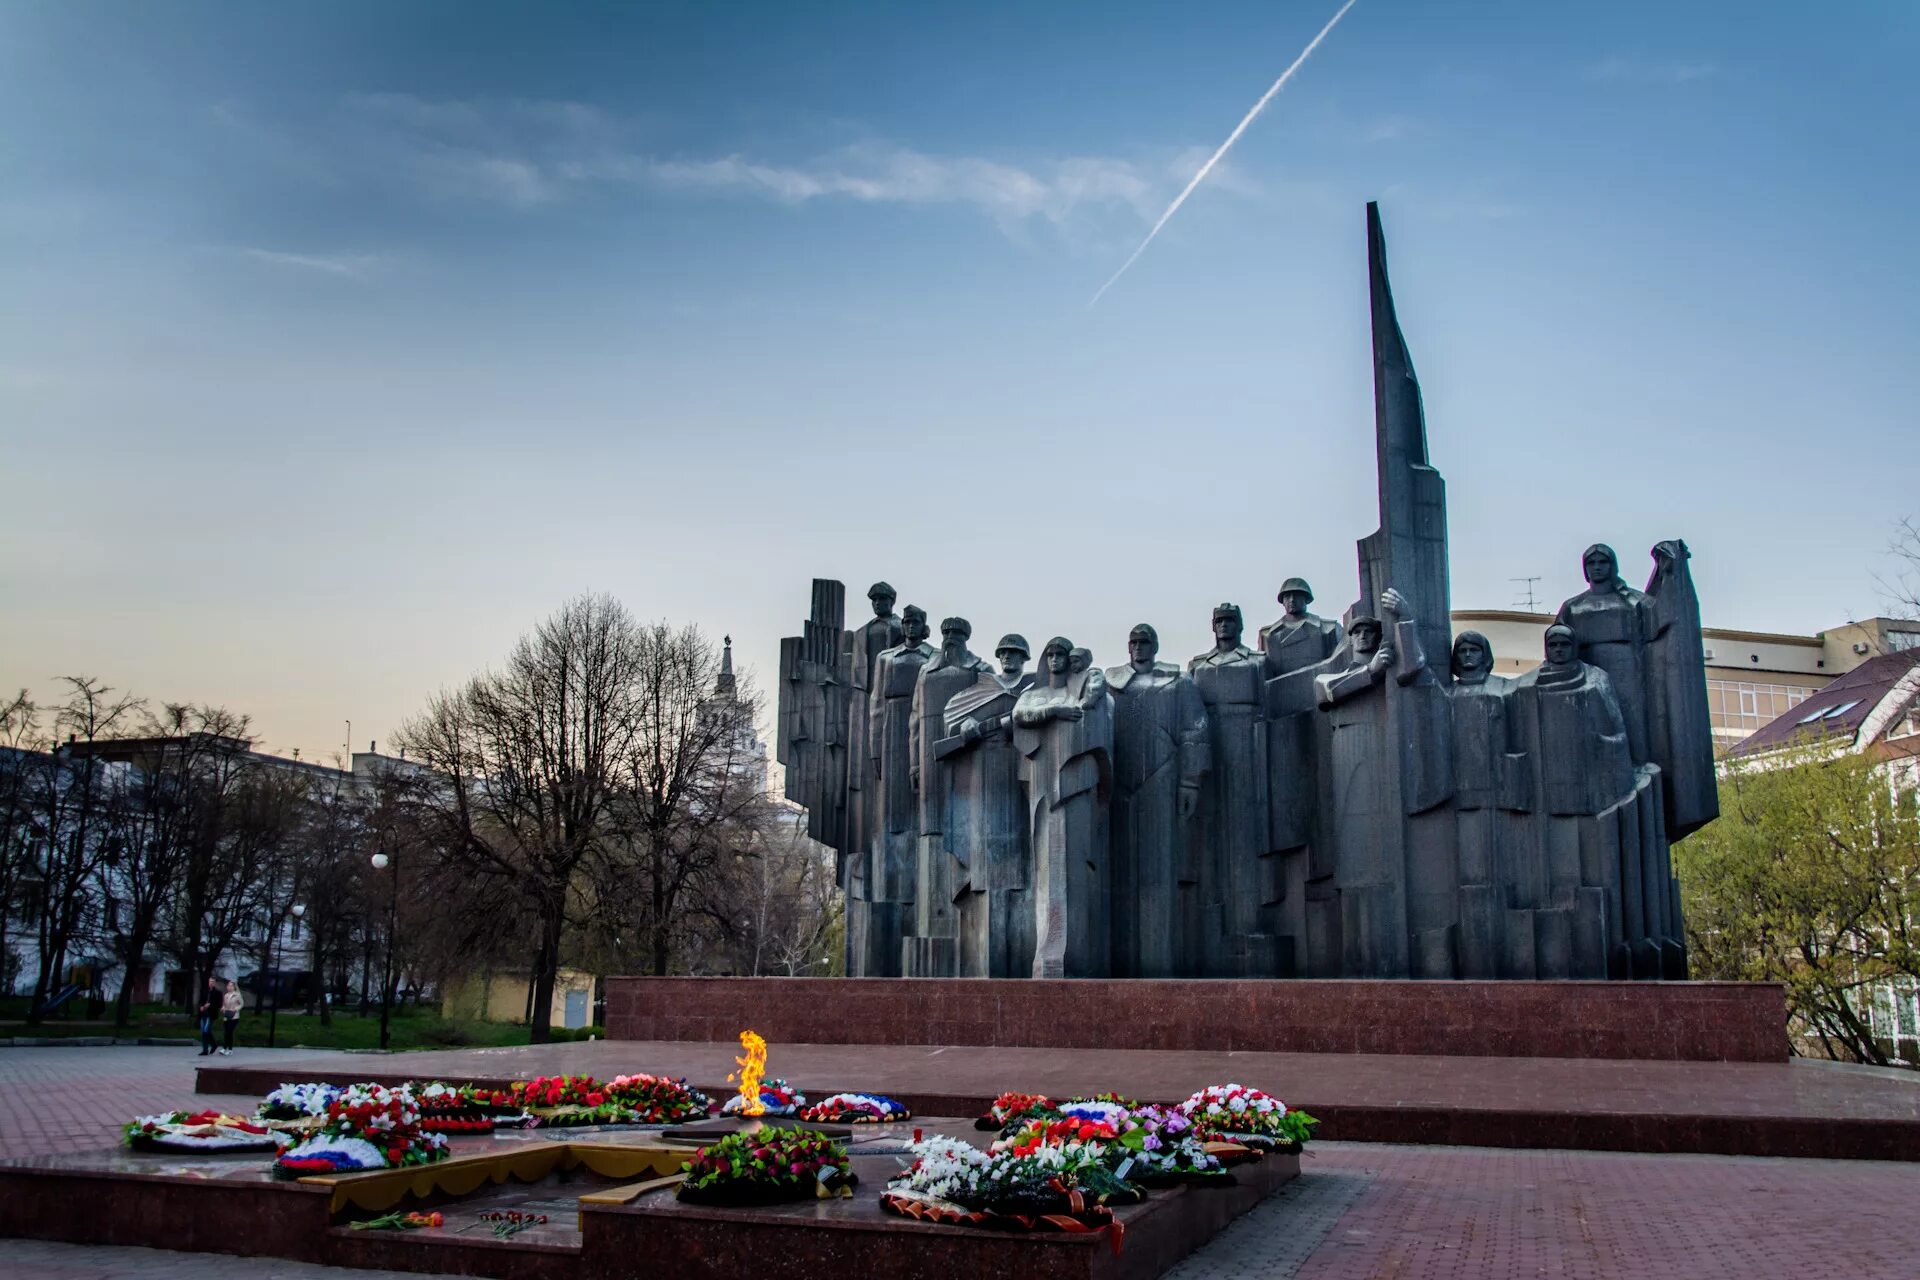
1529 603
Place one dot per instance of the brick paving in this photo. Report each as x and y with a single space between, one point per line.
57 1099
1359 1210
43 1260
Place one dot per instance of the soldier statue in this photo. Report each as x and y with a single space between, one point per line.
1159 758
893 861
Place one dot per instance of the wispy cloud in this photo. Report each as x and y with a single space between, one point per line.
354 266
523 155
1389 128
1622 70
883 174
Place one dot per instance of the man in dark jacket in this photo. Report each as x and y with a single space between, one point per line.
209 1010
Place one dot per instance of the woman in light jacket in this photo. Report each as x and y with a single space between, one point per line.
230 1013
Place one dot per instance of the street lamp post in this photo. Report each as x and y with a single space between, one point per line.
273 977
382 862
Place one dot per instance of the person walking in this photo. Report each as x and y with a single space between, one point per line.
210 1001
230 1013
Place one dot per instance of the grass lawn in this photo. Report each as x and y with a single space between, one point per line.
411 1028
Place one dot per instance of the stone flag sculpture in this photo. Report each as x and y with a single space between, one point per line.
1361 798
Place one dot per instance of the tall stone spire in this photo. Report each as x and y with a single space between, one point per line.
724 687
1409 550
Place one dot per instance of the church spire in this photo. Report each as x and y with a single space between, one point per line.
723 687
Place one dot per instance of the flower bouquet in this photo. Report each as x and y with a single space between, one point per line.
400 1221
1034 1185
767 1167
1011 1107
200 1131
297 1101
777 1096
857 1108
369 1126
1248 1117
658 1099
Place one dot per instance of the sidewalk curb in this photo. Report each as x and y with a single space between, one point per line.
92 1042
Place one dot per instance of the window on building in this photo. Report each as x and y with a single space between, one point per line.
1899 641
1744 706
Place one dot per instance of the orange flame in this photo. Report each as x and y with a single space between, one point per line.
751 1068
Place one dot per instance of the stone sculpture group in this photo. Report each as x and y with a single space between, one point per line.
1324 804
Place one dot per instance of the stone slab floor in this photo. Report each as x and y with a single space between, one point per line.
1358 1211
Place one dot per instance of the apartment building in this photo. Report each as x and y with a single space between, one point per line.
1753 677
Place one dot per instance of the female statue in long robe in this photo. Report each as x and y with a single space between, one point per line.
1600 853
1613 625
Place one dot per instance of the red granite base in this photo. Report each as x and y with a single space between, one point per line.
858 1238
1678 1021
232 1205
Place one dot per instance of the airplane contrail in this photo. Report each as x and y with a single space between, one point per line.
1232 138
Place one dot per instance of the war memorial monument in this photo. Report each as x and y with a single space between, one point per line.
1335 861
1360 798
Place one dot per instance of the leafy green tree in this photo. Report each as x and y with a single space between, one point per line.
1810 877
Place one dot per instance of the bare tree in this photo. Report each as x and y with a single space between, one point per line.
181 772
19 741
690 801
331 850
73 807
529 758
787 904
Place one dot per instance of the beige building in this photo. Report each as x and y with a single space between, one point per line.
504 997
1753 677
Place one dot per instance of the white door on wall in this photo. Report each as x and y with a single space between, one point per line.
576 1009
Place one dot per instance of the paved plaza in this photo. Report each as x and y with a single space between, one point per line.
1358 1211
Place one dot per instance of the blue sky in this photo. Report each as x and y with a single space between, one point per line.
340 342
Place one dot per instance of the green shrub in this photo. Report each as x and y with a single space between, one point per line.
451 1032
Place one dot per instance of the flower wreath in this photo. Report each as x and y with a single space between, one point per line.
658 1099
296 1101
857 1108
1247 1116
177 1131
1064 1186
1172 1151
369 1126
1009 1107
766 1167
777 1096
446 1108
